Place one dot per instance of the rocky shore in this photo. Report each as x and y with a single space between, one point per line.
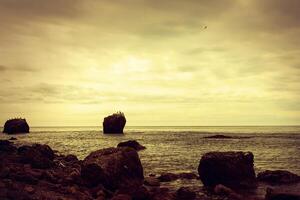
37 172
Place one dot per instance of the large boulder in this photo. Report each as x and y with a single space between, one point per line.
232 169
114 123
115 168
278 177
38 156
133 144
18 125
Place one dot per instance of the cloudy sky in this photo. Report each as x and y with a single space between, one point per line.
185 62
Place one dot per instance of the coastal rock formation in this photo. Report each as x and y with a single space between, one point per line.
282 194
232 169
278 177
114 123
118 167
133 144
17 125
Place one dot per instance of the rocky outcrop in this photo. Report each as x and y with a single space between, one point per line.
278 177
133 144
282 194
185 193
14 126
114 123
232 169
117 167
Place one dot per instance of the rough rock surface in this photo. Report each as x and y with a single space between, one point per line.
114 123
232 169
281 194
18 125
121 167
133 144
185 193
278 177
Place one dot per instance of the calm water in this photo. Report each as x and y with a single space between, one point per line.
178 149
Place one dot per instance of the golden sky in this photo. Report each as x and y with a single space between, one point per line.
72 62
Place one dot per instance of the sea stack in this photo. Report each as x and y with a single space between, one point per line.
114 123
17 125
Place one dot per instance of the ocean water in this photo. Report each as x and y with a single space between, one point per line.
178 149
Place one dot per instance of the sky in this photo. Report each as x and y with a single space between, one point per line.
161 62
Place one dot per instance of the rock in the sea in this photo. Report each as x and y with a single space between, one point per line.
219 137
121 167
281 194
167 177
232 169
225 191
278 177
151 181
39 156
133 144
18 125
185 193
114 123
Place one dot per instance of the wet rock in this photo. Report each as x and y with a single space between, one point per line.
114 123
281 194
122 197
17 125
92 174
133 144
151 181
188 175
12 138
232 169
39 156
225 191
7 146
141 194
185 193
121 166
278 177
161 194
167 177
71 158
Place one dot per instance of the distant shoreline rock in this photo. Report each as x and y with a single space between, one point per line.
133 144
219 137
114 124
17 125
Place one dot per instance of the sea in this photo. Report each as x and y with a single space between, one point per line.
178 149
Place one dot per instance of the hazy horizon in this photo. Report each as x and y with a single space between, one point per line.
163 63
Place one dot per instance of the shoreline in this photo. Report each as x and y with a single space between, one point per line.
159 186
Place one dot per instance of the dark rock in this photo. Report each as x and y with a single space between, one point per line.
122 197
92 174
12 138
151 181
232 169
114 123
167 177
161 194
281 194
39 156
7 146
185 193
219 137
187 175
225 191
71 158
278 177
121 166
17 125
26 178
133 144
141 194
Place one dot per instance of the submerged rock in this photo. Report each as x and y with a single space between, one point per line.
121 167
219 137
232 169
114 123
133 144
18 125
167 177
278 177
